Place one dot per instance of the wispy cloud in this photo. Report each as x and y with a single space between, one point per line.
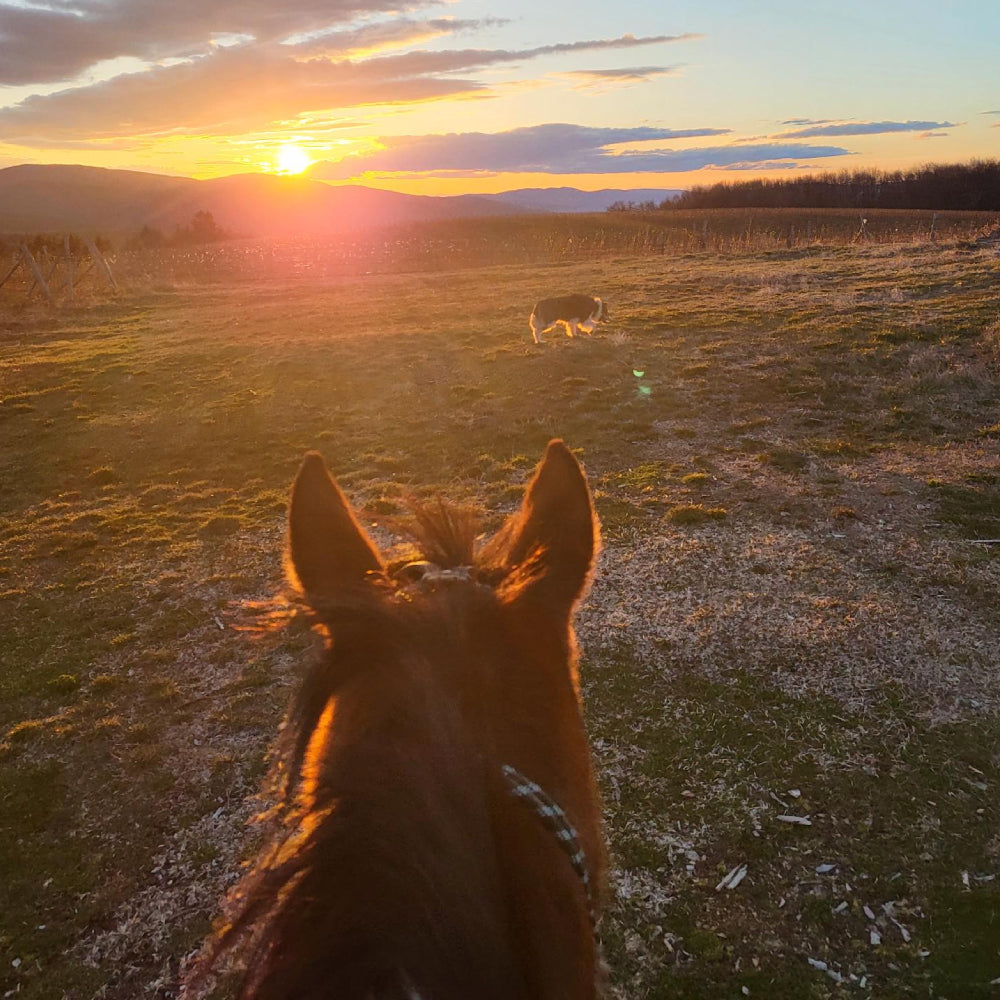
830 130
400 32
765 165
604 79
250 87
563 149
806 121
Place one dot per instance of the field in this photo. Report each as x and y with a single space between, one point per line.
795 454
454 244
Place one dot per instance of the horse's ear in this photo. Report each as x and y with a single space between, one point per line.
327 548
551 542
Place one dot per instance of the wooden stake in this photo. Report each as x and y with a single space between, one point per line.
39 280
10 273
69 271
102 264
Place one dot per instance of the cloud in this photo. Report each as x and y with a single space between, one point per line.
933 135
764 165
863 128
591 79
381 35
561 149
247 87
62 38
214 93
805 121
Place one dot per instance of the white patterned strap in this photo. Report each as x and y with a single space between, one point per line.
556 821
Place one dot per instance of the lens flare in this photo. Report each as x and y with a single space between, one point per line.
292 159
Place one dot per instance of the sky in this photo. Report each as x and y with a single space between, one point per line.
473 96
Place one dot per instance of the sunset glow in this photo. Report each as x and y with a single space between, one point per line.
292 159
633 96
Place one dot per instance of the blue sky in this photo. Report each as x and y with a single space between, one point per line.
476 96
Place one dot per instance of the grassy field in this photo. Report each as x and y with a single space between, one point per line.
796 457
459 244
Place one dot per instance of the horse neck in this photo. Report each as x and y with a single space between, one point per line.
403 856
425 874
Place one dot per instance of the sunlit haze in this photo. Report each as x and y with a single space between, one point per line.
292 159
477 97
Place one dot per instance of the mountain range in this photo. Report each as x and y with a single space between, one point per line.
48 198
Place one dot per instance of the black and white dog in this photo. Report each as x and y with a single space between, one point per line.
574 312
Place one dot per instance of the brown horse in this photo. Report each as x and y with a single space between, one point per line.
442 835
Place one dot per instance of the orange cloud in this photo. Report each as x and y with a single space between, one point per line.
235 89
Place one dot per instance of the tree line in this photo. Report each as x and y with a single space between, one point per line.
201 229
971 187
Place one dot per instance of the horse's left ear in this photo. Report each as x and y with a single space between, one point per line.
327 548
552 541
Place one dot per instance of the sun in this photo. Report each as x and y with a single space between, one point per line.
292 159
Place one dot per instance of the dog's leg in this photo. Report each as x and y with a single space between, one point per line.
535 329
571 329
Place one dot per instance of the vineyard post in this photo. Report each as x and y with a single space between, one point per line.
10 273
102 264
36 270
69 270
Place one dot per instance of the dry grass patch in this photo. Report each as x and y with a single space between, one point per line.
695 513
833 633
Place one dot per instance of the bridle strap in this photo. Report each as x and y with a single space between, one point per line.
555 820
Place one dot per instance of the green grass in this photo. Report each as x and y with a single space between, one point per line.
810 428
720 772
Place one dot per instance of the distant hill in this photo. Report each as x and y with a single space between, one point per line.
38 198
568 199
56 198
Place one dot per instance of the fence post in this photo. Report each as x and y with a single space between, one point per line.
69 270
17 263
933 227
102 264
36 270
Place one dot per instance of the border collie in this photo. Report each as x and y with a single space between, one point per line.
574 312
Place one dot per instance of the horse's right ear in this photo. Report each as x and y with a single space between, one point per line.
549 546
327 548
